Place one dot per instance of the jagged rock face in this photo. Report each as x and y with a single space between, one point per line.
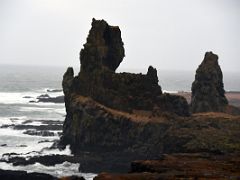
208 93
103 106
101 55
104 47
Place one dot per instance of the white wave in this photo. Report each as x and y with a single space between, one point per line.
47 103
170 92
35 108
34 123
17 97
66 151
16 120
12 120
60 110
17 142
48 108
25 97
59 170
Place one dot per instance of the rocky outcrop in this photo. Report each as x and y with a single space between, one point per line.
182 166
114 118
102 54
99 100
208 93
113 138
46 98
23 175
104 48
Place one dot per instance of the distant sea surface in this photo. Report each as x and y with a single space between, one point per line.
19 82
29 78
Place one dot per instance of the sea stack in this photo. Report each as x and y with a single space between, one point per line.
105 110
115 118
208 92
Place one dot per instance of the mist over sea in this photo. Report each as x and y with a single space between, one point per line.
19 82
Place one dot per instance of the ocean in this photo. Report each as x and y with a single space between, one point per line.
21 84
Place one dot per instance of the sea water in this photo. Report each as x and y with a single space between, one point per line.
18 86
19 82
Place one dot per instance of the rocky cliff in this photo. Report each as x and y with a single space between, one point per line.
208 93
114 118
102 54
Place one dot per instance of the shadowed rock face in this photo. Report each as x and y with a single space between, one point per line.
104 47
114 118
101 55
108 111
207 90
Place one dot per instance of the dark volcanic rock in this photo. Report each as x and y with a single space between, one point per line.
101 55
182 166
208 93
43 96
54 90
47 98
23 175
104 47
119 116
40 127
115 99
47 160
27 97
39 133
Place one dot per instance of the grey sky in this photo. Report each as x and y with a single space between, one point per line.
168 34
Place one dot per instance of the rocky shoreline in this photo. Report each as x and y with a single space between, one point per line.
123 122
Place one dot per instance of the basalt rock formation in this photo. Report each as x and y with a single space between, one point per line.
102 54
208 93
108 111
115 118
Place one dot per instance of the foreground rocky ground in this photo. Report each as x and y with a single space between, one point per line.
182 166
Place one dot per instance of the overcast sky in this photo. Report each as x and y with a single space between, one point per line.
168 34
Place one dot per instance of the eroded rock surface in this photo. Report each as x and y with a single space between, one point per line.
98 98
208 92
102 54
114 118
